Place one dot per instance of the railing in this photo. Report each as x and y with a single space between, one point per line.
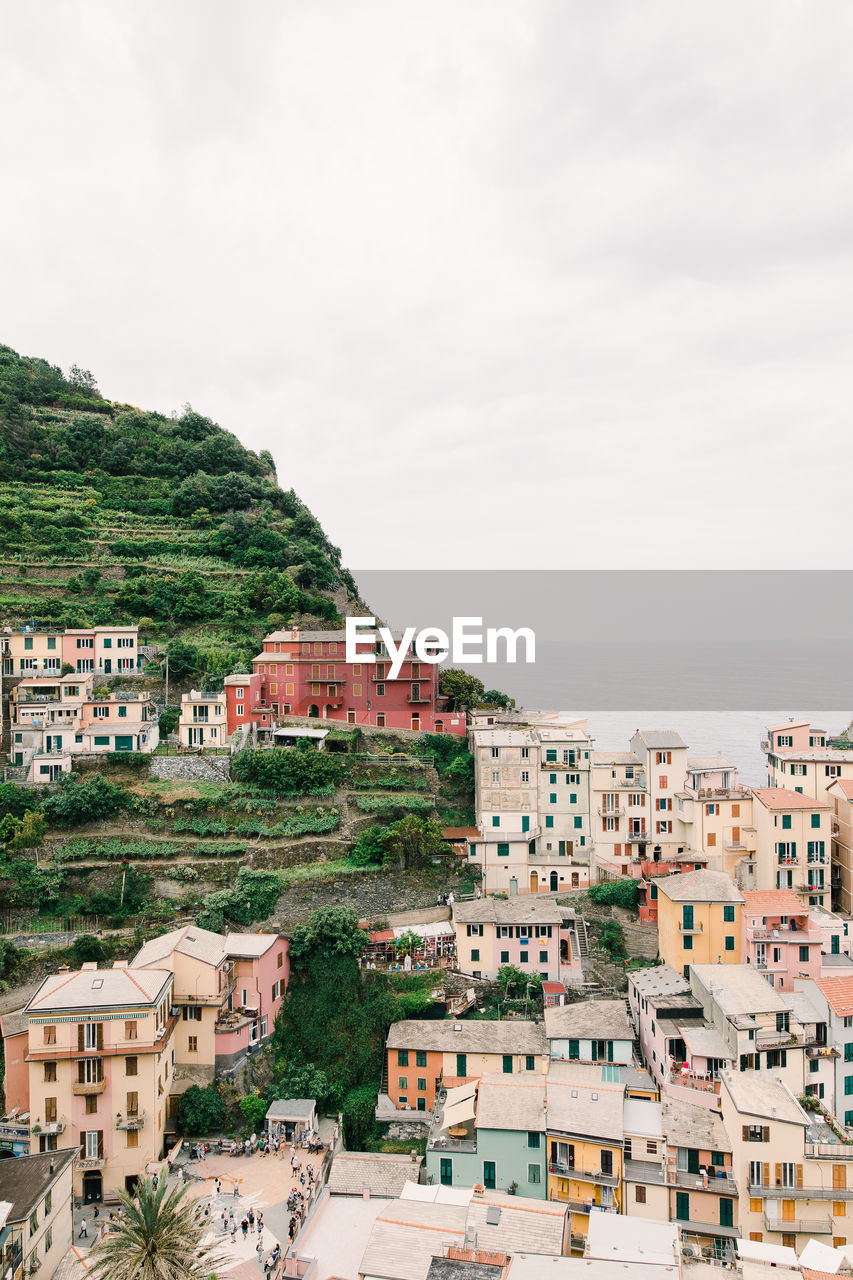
821 1051
611 813
91 1162
691 1081
710 1181
830 1150
49 1128
761 1191
799 1226
85 1088
638 837
583 1175
770 1039
134 1121
697 927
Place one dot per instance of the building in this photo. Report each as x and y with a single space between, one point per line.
378 1173
227 991
585 1151
100 1070
532 805
840 795
534 934
682 1051
802 759
793 835
104 651
53 720
38 1189
833 998
718 810
780 938
646 1194
590 1031
305 673
203 721
423 1054
699 919
703 1192
491 1131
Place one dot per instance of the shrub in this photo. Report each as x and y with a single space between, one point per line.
287 771
201 1110
616 893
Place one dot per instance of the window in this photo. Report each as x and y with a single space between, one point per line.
496 822
131 1066
422 1084
50 1110
446 1171
91 1107
192 1013
504 957
815 819
489 1174
640 1195
50 1035
533 1140
402 1082
50 1073
461 1064
729 915
420 1058
475 953
503 850
402 1057
533 1173
525 775
726 1212
682 1206
804 955
730 942
507 1064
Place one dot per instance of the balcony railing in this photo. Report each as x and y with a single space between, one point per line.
696 927
706 1084
760 1191
421 697
85 1088
583 1175
91 1162
638 837
769 1038
49 1128
134 1120
799 1226
724 1186
611 813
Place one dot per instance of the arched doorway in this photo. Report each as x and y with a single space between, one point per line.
92 1187
314 710
351 715
555 883
534 882
439 726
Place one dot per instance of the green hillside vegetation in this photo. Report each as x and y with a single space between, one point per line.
110 513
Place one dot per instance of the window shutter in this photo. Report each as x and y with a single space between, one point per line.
765 1133
100 1035
778 1175
799 1175
80 1037
766 1174
746 1133
100 1144
81 1078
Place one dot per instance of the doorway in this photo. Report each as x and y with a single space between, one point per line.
93 1186
555 883
513 886
534 882
314 710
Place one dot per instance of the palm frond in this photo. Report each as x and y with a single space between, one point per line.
157 1239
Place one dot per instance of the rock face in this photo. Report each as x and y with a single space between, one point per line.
191 768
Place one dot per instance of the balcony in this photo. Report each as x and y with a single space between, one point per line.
420 698
583 1175
638 837
821 1051
85 1088
611 813
49 1129
759 1191
696 927
724 1186
769 1038
799 1226
91 1162
689 1080
135 1120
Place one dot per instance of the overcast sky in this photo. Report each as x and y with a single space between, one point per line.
564 284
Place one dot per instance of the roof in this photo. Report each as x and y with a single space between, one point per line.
468 1037
689 1124
200 944
461 833
773 902
291 1109
738 989
708 764
699 886
586 1110
802 1006
504 738
407 1235
382 1175
95 988
838 993
624 1238
589 1019
641 1118
660 739
615 757
758 1093
782 798
462 1269
704 1041
660 980
522 909
524 1225
24 1182
249 945
14 1024
845 786
511 1102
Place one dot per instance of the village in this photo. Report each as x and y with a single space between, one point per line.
636 1008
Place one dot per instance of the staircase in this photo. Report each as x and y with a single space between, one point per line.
583 941
637 1047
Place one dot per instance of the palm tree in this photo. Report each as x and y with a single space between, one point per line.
158 1238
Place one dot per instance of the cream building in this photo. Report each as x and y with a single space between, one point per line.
840 796
800 758
793 843
37 1192
203 721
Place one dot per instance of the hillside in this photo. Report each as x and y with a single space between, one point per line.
110 513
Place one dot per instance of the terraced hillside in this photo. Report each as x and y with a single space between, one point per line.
110 513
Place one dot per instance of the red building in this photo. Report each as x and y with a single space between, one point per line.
305 673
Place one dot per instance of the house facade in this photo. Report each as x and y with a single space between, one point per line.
793 843
55 719
534 934
103 651
423 1055
699 919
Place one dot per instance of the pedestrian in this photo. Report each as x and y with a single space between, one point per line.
84 1230
218 1186
230 1213
259 1248
477 891
260 1226
224 1221
233 1232
302 1178
251 1216
244 1227
236 1192
292 1229
155 1181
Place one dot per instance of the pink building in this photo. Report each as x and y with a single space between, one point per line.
533 934
305 673
780 937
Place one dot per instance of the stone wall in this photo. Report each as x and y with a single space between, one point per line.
191 768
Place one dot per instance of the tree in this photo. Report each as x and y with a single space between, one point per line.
201 1110
494 698
158 1238
86 948
82 381
370 846
412 841
26 832
510 977
359 1115
305 1081
460 688
169 717
329 931
254 1108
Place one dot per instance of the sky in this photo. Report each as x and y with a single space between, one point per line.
500 285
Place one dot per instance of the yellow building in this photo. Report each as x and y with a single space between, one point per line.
699 919
203 722
585 1138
